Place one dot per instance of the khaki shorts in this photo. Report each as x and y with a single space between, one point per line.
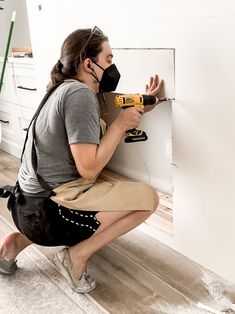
101 195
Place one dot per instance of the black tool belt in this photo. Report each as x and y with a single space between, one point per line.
14 194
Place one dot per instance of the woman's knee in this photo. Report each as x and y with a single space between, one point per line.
151 205
155 200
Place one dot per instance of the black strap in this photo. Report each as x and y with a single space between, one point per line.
6 191
32 123
42 103
41 181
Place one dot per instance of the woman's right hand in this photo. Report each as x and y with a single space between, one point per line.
129 118
90 159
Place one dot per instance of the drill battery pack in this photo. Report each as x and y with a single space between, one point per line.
135 135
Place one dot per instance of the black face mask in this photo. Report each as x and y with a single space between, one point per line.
109 79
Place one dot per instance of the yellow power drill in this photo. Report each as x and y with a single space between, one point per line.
132 100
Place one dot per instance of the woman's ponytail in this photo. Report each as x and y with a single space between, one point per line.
57 75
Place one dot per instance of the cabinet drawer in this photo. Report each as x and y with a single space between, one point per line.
25 87
10 126
14 120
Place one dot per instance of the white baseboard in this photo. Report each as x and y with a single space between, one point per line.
157 234
164 187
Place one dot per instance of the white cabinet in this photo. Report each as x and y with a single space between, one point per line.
18 102
7 90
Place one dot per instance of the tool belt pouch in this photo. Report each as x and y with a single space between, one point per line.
13 192
30 203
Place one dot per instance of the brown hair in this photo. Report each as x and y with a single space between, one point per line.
81 44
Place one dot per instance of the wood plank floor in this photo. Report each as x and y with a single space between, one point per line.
137 274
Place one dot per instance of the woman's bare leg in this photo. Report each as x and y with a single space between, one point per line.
113 225
13 244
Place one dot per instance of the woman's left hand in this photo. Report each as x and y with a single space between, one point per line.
153 88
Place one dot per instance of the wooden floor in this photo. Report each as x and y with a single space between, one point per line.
137 274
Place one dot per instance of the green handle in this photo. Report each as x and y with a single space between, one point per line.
7 49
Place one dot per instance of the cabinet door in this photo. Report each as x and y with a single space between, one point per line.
10 141
14 120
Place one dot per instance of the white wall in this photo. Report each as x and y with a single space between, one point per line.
20 35
202 32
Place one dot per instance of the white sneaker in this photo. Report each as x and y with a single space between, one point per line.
83 285
6 267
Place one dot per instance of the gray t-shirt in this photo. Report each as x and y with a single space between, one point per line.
70 115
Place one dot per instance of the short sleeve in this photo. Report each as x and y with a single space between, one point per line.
81 116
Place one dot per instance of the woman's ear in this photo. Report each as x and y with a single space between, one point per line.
88 65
